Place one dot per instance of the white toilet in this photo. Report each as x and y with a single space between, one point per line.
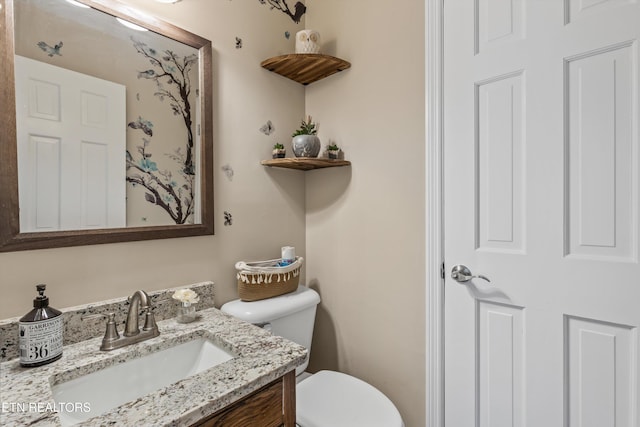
327 398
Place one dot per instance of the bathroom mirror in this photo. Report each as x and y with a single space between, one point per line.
134 162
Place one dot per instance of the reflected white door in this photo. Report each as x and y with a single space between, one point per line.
541 196
71 131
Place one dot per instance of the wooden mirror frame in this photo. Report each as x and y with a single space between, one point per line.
11 239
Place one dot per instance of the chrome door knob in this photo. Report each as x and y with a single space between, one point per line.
461 274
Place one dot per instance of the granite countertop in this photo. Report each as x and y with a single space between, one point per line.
26 398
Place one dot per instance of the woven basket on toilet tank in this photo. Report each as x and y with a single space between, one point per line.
265 279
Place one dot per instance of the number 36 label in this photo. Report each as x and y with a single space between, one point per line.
40 341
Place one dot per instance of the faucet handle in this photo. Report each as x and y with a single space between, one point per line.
111 332
149 321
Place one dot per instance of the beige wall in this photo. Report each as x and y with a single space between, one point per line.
267 205
365 225
361 229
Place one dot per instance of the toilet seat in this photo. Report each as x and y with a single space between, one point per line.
334 399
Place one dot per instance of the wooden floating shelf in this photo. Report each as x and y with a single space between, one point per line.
305 163
305 68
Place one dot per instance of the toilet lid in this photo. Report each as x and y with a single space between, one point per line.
333 399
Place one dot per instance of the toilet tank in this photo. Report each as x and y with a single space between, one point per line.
291 316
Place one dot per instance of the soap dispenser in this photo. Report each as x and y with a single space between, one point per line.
40 333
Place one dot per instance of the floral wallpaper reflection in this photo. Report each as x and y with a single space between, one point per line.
168 188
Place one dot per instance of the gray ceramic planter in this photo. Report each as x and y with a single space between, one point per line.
306 145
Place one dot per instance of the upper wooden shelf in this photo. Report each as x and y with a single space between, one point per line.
305 68
305 163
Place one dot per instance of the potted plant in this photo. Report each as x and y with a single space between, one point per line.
305 143
278 151
333 151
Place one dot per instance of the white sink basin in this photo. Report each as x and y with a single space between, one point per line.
111 387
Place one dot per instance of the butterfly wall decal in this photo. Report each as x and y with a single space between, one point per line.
268 128
51 51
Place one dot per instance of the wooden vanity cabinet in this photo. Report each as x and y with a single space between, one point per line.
273 405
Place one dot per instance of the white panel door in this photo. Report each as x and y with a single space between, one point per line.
71 131
541 196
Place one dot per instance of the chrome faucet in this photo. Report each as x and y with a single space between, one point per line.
132 333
